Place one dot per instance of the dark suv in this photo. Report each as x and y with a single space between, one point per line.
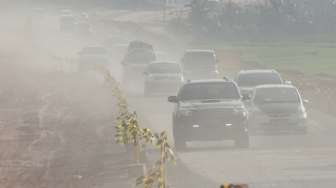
209 110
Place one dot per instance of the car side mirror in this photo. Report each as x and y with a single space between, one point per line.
173 99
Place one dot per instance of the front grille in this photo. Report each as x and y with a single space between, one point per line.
213 114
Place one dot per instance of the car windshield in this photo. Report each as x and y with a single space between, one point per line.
199 60
208 91
255 79
164 68
276 95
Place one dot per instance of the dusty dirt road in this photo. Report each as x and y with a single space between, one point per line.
72 144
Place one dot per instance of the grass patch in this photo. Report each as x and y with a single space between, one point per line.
310 58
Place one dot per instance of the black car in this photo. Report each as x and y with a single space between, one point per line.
277 109
209 110
199 64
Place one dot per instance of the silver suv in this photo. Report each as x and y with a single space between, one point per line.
277 109
162 77
199 64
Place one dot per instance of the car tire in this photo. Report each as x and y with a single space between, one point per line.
180 142
242 140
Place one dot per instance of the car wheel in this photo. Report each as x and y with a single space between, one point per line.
180 142
242 140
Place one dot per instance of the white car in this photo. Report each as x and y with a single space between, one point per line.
162 78
199 64
277 109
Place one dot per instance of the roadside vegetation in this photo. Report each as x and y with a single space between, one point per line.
134 137
311 59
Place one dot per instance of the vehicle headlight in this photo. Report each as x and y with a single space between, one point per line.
185 113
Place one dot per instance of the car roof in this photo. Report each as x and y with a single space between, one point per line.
199 51
254 71
275 86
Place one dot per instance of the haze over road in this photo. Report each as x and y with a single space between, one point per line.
291 161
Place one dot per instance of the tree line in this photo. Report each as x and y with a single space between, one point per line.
264 19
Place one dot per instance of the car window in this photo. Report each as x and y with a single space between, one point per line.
255 79
204 91
276 95
164 68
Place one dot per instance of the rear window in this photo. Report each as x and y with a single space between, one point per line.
164 68
205 91
276 95
255 79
